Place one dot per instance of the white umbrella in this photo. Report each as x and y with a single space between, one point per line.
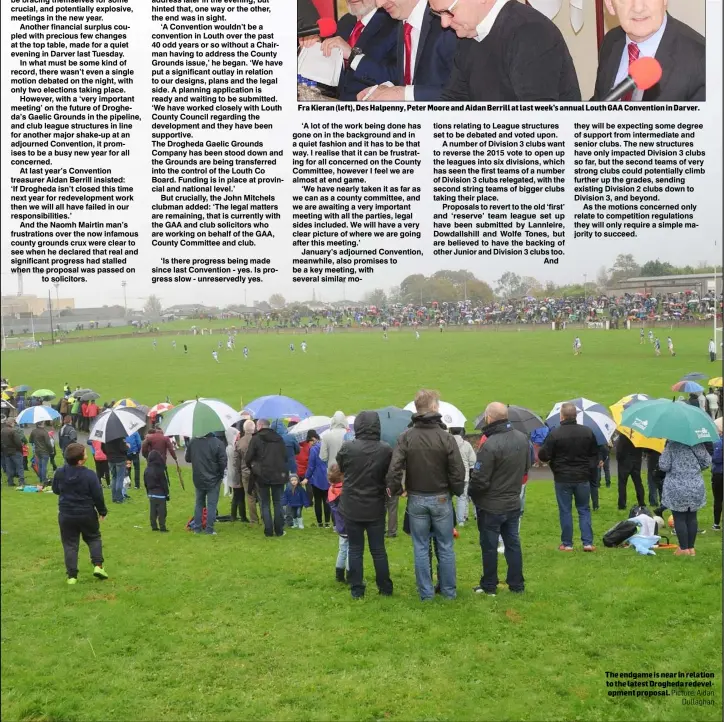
318 423
589 413
199 418
452 417
36 414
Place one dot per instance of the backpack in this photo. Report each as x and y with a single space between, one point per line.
190 522
618 534
636 510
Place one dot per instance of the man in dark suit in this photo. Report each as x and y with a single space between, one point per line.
367 38
647 30
509 52
425 53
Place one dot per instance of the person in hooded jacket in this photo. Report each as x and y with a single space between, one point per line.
80 506
268 460
156 482
333 438
207 456
469 458
363 463
316 475
68 435
430 458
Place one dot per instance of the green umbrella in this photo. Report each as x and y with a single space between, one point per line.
44 394
672 420
393 421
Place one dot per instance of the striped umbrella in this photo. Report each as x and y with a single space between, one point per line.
36 414
126 402
199 418
159 409
116 424
589 413
688 387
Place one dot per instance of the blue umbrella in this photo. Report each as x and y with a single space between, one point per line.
276 407
36 414
596 416
693 376
393 422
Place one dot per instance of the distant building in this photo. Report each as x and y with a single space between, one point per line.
700 283
26 304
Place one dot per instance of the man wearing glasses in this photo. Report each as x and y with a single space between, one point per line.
509 52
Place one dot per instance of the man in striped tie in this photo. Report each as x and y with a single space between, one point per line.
367 39
425 54
648 31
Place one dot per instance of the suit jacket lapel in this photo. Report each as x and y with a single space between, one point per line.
665 56
373 27
613 63
427 21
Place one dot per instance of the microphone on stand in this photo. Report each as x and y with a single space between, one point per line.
643 74
324 27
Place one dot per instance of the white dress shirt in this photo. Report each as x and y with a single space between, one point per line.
417 16
647 49
486 25
365 21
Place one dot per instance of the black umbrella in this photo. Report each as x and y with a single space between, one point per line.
519 417
116 424
90 396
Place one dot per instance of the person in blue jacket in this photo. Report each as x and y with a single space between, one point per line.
317 477
292 447
134 455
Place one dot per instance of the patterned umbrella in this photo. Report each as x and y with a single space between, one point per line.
159 409
591 414
452 417
116 424
688 387
199 418
126 402
36 414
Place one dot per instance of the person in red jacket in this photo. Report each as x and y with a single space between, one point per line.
92 412
302 457
156 441
84 414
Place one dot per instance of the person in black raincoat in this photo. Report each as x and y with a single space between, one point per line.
364 462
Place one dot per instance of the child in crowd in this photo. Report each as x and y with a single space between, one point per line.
101 461
295 498
336 480
80 507
156 483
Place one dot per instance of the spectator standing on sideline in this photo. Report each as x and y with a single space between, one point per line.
712 350
629 459
134 456
68 435
115 452
363 463
267 459
80 507
333 438
571 451
495 488
292 448
716 480
233 475
42 448
155 480
467 453
316 475
12 441
207 456
434 473
684 491
156 441
240 449
654 478
712 400
103 471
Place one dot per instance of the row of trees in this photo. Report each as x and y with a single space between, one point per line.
446 286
